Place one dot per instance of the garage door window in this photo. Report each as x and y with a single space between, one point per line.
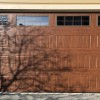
33 20
3 20
98 20
72 20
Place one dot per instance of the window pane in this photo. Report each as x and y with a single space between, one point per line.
98 20
68 23
33 20
77 18
98 17
60 22
77 22
3 20
85 22
44 23
99 23
69 18
20 20
85 17
60 18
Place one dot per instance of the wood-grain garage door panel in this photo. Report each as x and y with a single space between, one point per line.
67 41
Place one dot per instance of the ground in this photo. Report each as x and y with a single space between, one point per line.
52 96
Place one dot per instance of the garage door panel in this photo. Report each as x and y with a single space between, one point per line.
79 81
92 82
79 61
73 41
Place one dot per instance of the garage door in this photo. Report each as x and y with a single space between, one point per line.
50 52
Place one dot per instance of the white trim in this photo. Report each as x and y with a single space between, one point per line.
50 6
51 1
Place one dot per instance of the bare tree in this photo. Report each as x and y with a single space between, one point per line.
26 63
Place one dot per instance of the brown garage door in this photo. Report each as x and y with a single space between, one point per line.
50 52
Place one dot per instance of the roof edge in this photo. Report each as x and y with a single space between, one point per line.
49 7
51 1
